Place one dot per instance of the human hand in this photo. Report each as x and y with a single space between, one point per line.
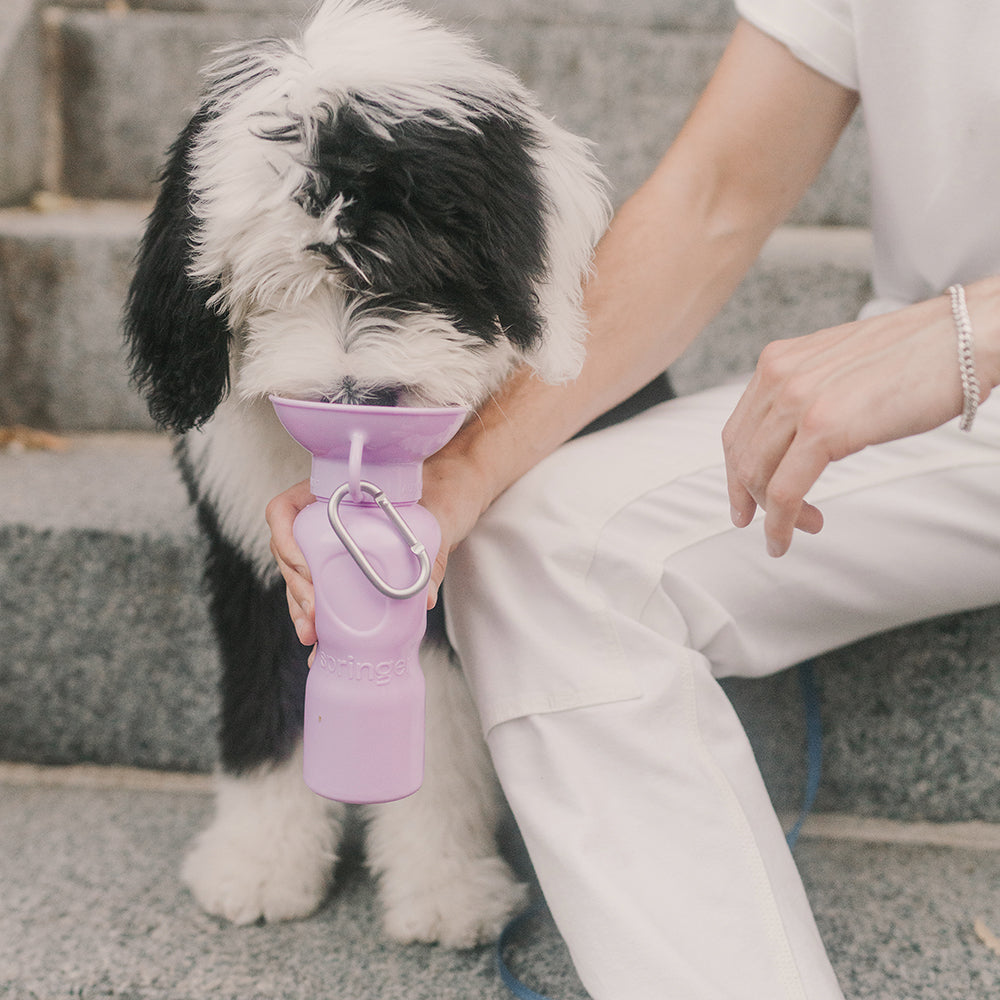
451 492
280 515
818 398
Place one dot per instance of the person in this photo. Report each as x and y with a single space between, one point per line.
602 587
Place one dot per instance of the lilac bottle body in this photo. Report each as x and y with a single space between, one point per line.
363 738
364 715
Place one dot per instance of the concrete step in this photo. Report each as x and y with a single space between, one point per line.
64 275
120 113
39 62
624 75
91 905
22 107
806 278
630 86
63 279
105 649
701 15
106 655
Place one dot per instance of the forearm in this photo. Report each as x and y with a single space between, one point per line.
663 269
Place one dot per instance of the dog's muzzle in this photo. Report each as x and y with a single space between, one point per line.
352 393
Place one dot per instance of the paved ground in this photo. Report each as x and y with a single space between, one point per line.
90 906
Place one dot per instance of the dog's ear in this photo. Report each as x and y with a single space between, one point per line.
178 343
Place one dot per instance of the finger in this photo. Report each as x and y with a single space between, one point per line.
280 515
753 442
303 593
810 519
302 619
753 452
300 595
437 576
294 499
298 583
288 555
742 505
785 505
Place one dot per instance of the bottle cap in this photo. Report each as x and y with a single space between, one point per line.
385 445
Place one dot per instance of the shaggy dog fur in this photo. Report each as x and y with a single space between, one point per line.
372 213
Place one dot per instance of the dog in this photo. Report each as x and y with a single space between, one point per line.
373 212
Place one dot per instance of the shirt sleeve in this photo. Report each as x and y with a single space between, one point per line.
817 32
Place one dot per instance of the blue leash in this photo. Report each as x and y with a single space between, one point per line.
511 981
811 703
814 756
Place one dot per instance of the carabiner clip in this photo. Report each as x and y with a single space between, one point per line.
402 529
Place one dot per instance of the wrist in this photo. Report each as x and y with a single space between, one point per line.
456 483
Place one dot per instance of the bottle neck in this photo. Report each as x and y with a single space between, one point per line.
402 483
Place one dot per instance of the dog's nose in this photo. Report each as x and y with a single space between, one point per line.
354 393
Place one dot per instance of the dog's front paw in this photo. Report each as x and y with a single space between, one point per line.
459 906
270 851
243 880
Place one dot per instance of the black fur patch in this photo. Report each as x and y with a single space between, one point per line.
263 663
178 345
435 217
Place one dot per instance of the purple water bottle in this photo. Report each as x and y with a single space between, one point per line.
370 548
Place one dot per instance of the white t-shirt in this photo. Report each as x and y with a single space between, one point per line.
928 72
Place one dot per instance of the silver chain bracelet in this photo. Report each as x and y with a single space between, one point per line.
966 356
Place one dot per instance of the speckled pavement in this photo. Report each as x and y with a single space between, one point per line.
91 906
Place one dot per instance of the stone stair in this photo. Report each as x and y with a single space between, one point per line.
105 653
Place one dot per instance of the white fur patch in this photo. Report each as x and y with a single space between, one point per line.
242 458
269 853
304 350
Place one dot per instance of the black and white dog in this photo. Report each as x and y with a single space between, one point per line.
372 213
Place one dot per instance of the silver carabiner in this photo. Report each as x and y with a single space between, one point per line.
402 529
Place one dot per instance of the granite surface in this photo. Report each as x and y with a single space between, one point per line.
910 723
90 905
806 278
120 113
106 654
105 649
64 275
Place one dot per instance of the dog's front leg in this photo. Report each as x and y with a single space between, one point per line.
441 879
269 853
270 850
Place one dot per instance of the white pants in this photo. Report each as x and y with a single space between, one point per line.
594 608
